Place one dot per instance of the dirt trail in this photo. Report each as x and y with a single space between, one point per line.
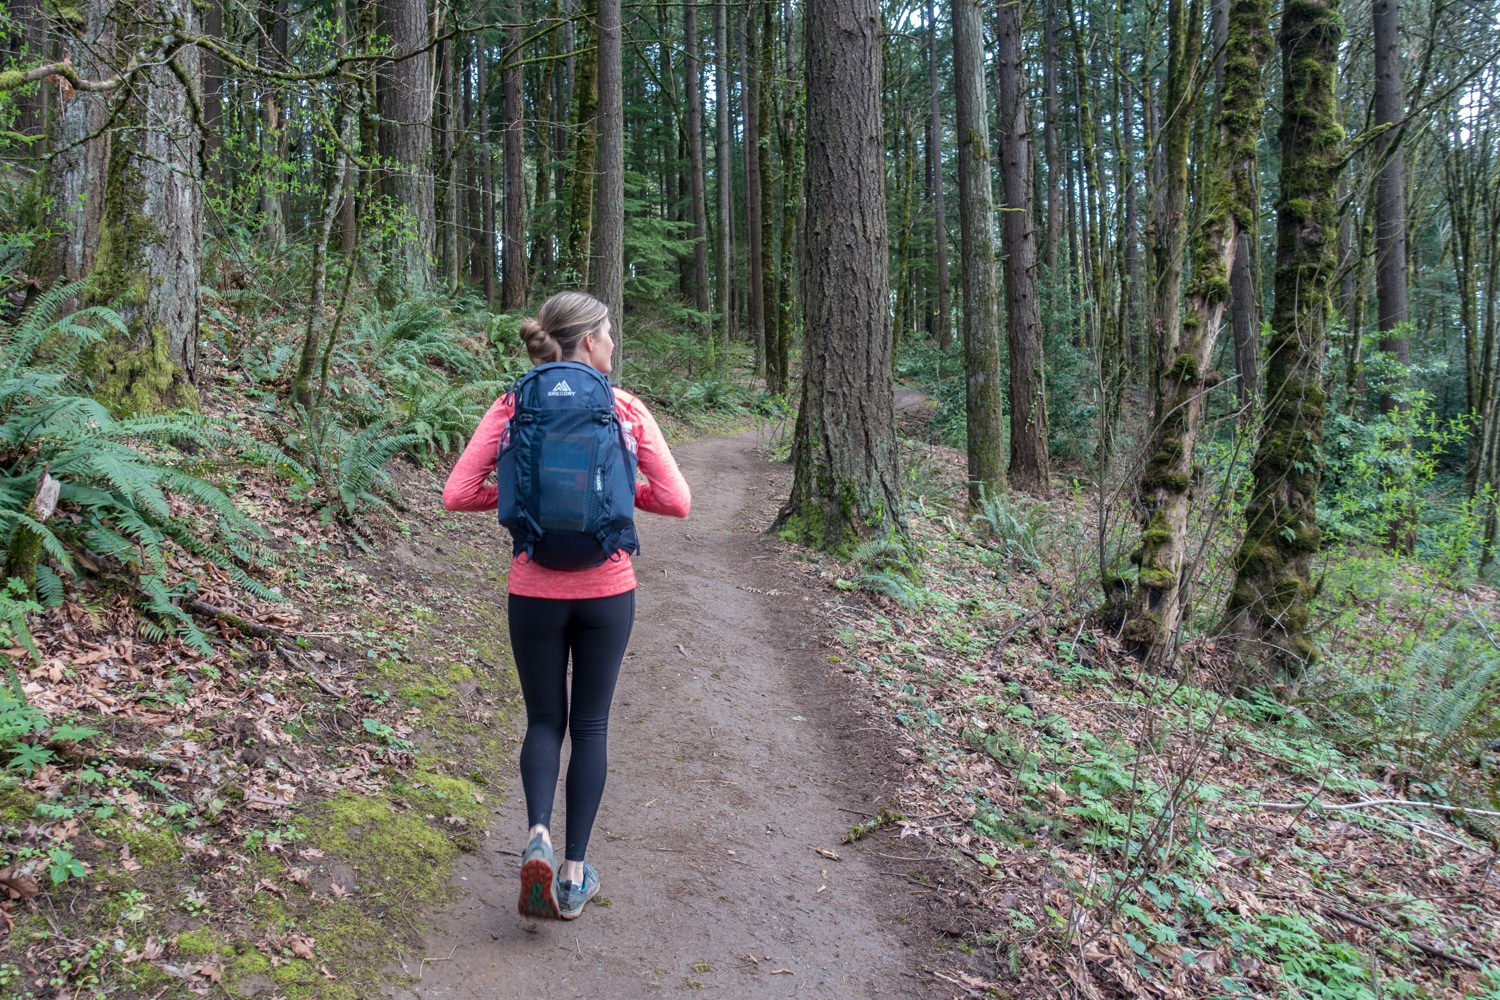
734 754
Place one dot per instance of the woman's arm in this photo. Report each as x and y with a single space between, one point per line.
469 486
665 491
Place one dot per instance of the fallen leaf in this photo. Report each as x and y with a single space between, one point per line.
828 854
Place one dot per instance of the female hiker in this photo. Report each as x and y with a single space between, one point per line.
571 448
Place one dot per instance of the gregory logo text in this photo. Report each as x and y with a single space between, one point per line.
561 389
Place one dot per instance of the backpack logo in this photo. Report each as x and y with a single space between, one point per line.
561 389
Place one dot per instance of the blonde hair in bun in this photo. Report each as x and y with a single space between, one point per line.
562 322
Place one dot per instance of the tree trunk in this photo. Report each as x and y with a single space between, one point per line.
273 32
349 208
983 406
1030 467
609 242
844 452
1055 187
446 127
724 178
406 145
312 333
696 186
579 230
151 232
213 95
942 319
513 284
544 225
766 121
1390 190
1267 614
1228 191
486 255
79 148
750 71
1130 236
791 202
1170 225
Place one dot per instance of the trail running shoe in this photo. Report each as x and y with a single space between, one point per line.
571 897
538 895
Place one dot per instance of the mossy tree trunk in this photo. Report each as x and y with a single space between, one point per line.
1267 615
1228 195
1030 466
844 451
983 406
151 232
1169 224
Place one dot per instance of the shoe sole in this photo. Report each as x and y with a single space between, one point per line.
536 891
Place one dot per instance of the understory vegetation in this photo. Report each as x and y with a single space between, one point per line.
1172 834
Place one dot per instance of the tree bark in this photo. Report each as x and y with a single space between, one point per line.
942 318
982 406
513 296
844 453
1228 191
1055 186
724 178
791 203
696 185
1267 615
78 151
766 119
405 138
1030 466
754 229
1390 190
213 95
609 282
486 256
577 244
273 34
151 231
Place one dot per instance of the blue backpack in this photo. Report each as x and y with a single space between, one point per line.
566 470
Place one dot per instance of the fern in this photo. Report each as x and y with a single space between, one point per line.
887 567
117 476
1013 530
1435 711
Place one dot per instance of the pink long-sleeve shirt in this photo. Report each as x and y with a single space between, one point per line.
471 486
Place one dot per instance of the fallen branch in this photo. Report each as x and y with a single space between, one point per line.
237 622
1422 946
1372 803
879 821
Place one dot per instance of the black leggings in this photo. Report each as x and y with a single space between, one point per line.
543 632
